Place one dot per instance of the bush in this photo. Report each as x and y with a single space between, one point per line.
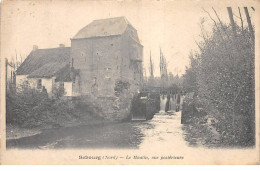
31 108
26 106
222 74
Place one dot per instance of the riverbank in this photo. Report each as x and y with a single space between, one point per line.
210 132
202 134
14 132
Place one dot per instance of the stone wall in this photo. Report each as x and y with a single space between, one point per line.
98 60
104 60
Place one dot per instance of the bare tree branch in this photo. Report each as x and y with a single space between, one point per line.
202 32
215 26
241 19
211 18
249 24
198 45
236 16
220 23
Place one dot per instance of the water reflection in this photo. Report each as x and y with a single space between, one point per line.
116 135
164 130
167 132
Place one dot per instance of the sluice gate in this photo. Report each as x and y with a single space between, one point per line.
144 106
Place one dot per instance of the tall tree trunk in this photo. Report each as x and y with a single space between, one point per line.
6 65
251 74
249 24
222 26
230 13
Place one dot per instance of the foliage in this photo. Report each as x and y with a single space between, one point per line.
222 74
174 88
33 108
58 91
190 83
225 68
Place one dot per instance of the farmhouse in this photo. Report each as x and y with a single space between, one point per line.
46 69
105 58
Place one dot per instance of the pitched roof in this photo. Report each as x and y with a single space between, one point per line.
49 70
65 75
38 58
103 28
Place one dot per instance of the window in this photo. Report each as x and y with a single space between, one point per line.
39 84
83 54
61 84
99 53
107 69
108 78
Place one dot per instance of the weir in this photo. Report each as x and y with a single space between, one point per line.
163 101
171 103
144 106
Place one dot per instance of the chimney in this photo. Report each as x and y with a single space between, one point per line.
61 45
35 47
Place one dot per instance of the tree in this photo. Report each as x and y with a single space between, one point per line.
190 83
223 75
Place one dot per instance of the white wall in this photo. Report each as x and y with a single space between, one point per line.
68 88
20 79
46 82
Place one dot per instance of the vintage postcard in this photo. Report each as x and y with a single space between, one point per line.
155 82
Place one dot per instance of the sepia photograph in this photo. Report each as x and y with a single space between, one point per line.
129 82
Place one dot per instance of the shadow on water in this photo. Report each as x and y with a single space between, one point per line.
113 135
164 128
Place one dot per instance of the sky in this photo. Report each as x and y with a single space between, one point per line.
172 26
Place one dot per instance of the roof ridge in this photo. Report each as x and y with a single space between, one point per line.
110 18
104 28
53 48
40 57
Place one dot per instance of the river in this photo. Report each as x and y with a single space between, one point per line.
164 130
